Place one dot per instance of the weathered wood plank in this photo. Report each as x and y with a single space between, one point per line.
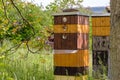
100 62
100 57
101 43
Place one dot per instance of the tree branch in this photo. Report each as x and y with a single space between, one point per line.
30 49
10 49
5 10
17 47
24 20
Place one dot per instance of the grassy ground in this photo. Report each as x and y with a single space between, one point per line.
26 66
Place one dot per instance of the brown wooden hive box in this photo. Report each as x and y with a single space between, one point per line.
101 43
100 62
71 31
71 34
71 71
70 41
100 57
71 19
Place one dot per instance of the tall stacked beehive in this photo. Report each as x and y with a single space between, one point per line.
71 58
100 33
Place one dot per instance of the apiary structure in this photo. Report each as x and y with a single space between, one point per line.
71 55
100 41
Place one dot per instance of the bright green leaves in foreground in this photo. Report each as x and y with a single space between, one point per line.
21 22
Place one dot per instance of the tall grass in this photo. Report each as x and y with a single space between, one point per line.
27 66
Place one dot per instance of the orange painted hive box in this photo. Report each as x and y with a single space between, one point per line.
71 64
101 25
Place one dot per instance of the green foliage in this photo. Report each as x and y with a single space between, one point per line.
24 66
34 67
16 26
23 22
59 5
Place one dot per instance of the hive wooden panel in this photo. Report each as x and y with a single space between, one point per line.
71 19
100 62
70 71
101 43
79 59
58 77
100 31
73 28
70 41
101 21
100 57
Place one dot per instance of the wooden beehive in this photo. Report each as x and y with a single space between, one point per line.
71 18
100 62
78 59
71 58
73 41
71 31
101 25
85 77
100 57
100 41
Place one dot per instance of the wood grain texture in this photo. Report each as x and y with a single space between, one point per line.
101 43
100 31
60 77
69 43
71 71
79 59
82 41
73 41
71 19
101 21
100 57
71 28
100 62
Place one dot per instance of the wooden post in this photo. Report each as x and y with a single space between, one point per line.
71 58
101 43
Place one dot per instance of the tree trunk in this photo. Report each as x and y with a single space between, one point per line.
115 40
